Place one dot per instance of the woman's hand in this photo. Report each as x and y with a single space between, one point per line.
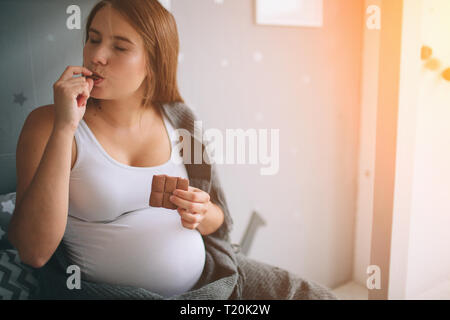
70 96
192 206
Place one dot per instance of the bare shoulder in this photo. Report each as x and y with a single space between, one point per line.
31 145
43 112
42 119
39 122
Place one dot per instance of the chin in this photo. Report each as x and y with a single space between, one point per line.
96 95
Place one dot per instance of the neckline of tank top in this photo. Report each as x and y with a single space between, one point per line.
122 165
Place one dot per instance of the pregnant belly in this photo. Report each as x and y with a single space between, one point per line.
148 248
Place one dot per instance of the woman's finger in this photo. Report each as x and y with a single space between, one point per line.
73 70
194 189
83 95
186 204
192 195
77 80
191 218
188 225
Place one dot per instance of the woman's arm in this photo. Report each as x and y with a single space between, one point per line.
43 166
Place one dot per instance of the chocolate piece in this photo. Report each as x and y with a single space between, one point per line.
158 183
171 184
183 184
156 199
162 188
166 201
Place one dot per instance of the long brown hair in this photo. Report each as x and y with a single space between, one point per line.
158 30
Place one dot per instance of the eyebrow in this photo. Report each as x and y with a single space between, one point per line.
115 37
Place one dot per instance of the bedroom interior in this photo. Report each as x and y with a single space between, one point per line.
359 91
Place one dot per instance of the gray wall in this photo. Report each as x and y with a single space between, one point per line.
306 83
36 48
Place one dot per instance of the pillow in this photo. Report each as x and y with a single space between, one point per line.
18 281
7 205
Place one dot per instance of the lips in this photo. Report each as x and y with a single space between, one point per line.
96 76
97 81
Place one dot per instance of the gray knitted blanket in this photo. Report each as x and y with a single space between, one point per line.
227 275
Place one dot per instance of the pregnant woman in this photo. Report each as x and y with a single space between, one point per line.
85 169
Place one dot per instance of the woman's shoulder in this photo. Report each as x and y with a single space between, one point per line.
40 119
43 119
44 112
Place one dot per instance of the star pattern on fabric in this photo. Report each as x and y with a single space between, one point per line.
19 98
8 206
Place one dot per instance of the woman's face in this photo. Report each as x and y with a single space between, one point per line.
122 64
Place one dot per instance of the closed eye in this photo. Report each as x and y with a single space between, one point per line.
118 48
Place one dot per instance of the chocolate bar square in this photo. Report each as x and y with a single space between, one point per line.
166 201
183 184
162 188
171 184
156 199
158 183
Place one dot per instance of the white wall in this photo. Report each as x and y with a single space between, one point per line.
307 84
420 255
429 238
406 143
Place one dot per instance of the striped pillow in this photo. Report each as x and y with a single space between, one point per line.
18 281
7 205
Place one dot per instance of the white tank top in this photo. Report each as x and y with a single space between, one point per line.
112 233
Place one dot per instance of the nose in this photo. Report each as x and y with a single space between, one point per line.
99 55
